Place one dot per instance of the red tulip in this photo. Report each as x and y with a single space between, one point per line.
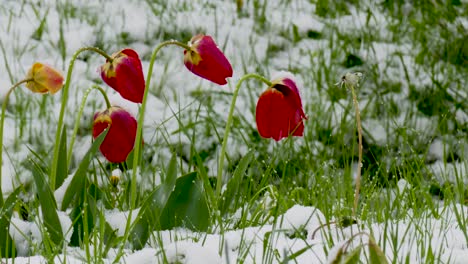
279 111
120 139
206 60
125 75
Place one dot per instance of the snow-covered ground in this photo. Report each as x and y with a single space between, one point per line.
137 24
248 245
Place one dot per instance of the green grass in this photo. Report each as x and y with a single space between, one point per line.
414 93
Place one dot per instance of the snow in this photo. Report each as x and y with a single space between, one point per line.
28 235
118 220
300 216
185 246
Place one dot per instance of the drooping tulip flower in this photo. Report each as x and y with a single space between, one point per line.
44 79
206 60
125 75
120 139
279 111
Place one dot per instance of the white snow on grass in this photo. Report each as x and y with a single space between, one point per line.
118 220
442 235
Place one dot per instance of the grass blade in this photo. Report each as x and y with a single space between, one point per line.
233 185
62 168
376 254
152 207
78 181
48 206
7 249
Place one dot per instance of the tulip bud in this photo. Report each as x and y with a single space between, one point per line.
279 112
44 79
120 139
125 75
206 60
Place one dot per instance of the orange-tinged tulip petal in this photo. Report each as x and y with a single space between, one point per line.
120 139
125 75
279 112
206 60
44 79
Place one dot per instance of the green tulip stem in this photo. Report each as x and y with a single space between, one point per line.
53 169
4 105
80 113
137 146
228 126
141 117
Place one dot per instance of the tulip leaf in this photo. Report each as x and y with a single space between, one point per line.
233 185
79 217
78 181
376 254
62 168
187 205
353 256
7 245
171 172
150 211
48 205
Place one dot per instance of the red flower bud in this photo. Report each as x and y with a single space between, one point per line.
120 139
206 60
125 75
279 111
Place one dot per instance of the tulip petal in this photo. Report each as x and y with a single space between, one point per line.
120 139
125 75
44 79
207 61
279 111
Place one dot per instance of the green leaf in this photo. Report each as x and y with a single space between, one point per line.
338 256
48 206
62 168
376 254
78 181
37 35
353 256
296 254
150 211
233 185
78 217
110 239
7 245
171 172
187 205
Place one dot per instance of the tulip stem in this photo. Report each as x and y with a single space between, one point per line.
4 105
137 146
53 169
80 113
228 127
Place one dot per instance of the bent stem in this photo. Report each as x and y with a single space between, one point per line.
137 146
359 166
228 127
4 105
80 113
53 169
